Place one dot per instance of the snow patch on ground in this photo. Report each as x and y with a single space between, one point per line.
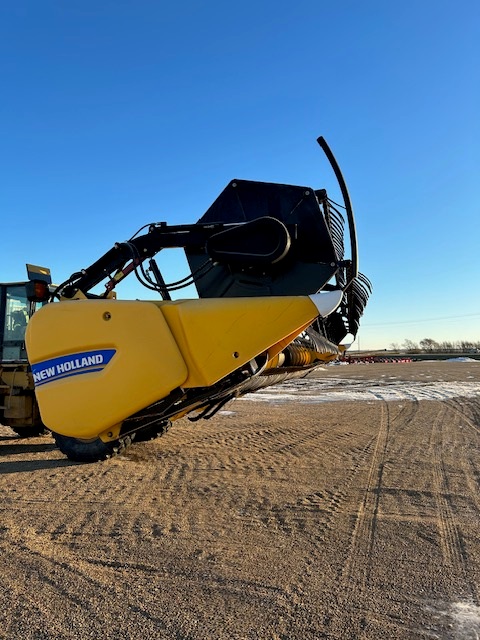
460 620
315 390
466 619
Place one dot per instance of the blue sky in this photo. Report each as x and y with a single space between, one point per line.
118 113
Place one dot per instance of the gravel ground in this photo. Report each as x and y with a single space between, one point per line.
343 506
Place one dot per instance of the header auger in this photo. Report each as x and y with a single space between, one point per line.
276 298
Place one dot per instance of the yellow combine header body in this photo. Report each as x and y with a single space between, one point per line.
108 371
95 363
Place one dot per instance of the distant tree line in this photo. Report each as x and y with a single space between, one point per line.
428 345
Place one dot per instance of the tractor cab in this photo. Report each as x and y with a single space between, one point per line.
18 302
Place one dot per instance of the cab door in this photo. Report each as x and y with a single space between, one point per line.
15 312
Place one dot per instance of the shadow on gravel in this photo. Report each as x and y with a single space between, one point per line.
27 466
18 448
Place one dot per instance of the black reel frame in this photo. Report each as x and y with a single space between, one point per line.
256 239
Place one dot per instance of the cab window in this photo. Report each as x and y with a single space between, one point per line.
17 309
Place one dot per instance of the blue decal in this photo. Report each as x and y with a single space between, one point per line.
71 365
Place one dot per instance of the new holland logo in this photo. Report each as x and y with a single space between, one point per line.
71 365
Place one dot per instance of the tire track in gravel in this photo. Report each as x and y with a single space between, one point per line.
306 521
312 518
470 467
452 545
312 514
89 569
358 566
266 439
105 606
468 409
358 572
449 536
275 452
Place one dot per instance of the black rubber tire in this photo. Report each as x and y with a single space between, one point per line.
89 450
30 432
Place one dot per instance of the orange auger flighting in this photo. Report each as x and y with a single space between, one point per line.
276 299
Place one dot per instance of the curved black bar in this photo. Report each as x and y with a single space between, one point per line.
348 207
